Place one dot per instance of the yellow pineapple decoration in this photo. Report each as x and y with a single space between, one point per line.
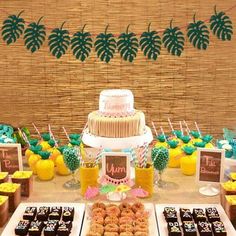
44 143
188 161
175 154
34 158
161 141
208 140
196 137
61 167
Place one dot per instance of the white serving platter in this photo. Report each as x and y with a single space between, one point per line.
153 231
162 224
17 216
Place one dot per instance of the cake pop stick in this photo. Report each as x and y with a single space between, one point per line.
66 133
162 131
198 128
171 126
153 125
51 134
186 126
181 127
36 129
144 155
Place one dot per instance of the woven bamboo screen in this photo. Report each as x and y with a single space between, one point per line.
199 86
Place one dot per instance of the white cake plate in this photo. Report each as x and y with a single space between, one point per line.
117 143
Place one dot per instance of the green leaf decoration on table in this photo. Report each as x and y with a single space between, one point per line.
105 46
173 40
13 28
150 43
34 36
198 34
221 25
59 41
128 45
81 44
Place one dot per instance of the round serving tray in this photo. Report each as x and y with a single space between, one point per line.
117 143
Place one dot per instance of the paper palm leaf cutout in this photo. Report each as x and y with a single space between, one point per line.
128 45
81 44
13 28
59 41
34 36
150 43
105 46
198 34
173 40
221 26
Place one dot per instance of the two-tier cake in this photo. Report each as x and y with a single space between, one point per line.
116 119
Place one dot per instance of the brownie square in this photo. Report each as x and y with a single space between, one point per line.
185 214
43 213
169 209
55 213
189 228
204 228
51 228
64 228
22 227
68 214
199 215
36 228
212 214
219 228
30 213
173 229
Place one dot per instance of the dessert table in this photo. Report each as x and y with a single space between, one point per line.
180 189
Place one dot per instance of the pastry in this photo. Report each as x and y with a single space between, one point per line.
22 227
204 228
97 228
64 228
111 220
199 215
126 228
4 210
51 228
111 228
138 206
68 213
173 229
124 206
185 214
98 205
97 219
189 228
219 228
30 213
43 213
55 213
212 214
35 228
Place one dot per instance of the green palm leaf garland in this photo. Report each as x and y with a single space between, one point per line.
13 28
34 36
105 46
128 45
59 41
150 43
221 26
173 40
81 44
198 34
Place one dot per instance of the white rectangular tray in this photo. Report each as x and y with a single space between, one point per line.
153 231
162 225
17 216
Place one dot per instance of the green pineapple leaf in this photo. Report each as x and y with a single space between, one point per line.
221 25
105 46
173 40
13 28
198 34
128 45
150 43
34 36
59 41
81 44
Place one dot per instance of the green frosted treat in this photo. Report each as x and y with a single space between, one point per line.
160 158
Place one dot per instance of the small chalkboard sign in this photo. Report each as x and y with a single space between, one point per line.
116 167
210 165
10 157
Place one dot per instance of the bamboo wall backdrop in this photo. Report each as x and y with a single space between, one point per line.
198 86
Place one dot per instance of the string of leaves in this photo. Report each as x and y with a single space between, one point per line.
127 43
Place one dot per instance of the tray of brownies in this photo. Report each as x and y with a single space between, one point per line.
46 219
193 220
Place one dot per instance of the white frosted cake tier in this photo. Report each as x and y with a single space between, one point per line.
116 102
117 143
